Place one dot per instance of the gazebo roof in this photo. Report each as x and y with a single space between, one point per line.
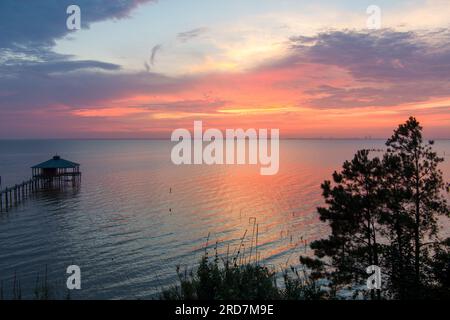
56 163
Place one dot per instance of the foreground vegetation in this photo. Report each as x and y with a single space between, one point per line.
217 279
43 289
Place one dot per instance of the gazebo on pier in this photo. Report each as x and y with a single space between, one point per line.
52 173
57 169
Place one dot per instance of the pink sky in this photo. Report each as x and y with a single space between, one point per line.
329 78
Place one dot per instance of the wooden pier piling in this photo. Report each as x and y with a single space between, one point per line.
53 173
11 197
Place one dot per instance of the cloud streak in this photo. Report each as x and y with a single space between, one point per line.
191 34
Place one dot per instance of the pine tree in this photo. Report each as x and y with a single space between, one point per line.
352 212
385 213
421 200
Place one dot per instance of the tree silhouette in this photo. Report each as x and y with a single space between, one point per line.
385 212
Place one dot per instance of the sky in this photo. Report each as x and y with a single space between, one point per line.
142 68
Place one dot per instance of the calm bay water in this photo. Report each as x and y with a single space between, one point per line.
128 232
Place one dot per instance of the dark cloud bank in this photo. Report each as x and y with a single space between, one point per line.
391 67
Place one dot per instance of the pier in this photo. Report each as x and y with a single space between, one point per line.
54 173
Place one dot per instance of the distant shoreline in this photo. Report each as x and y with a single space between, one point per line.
168 139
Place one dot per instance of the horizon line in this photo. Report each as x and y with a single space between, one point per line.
168 139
